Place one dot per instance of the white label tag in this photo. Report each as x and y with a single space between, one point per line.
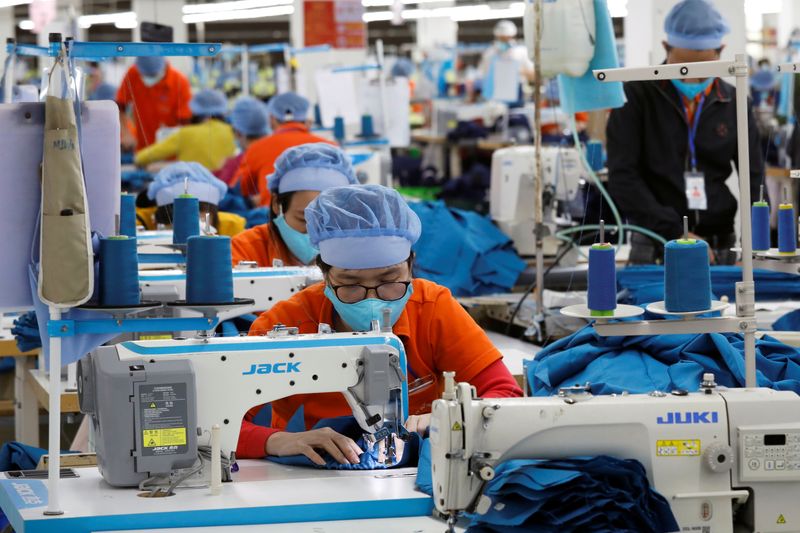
696 190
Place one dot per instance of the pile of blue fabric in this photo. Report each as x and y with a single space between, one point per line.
464 251
658 362
26 332
17 456
578 494
645 284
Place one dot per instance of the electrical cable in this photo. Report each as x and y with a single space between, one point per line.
629 227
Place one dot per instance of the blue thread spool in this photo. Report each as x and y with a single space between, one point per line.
687 276
367 128
119 272
602 280
338 129
185 218
209 276
127 215
760 216
787 230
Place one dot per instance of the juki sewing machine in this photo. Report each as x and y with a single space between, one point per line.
725 459
153 404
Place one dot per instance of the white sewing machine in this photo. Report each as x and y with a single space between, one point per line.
512 197
725 459
153 403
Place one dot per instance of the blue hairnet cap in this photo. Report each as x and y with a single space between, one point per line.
151 65
763 80
311 167
249 117
169 183
289 107
208 102
362 226
695 25
402 68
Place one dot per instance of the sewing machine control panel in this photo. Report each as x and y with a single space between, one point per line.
767 455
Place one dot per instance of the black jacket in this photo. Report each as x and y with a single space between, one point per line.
648 153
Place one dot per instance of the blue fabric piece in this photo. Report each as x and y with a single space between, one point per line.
311 167
208 102
234 202
104 91
249 117
464 251
695 25
256 217
577 494
645 284
347 426
17 456
788 322
289 107
26 332
658 362
785 97
585 93
169 183
424 480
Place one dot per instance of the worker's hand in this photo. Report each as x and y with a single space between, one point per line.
418 423
341 448
712 258
127 140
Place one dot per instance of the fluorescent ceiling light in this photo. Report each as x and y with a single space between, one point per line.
10 3
762 7
377 16
126 19
389 3
239 14
618 8
232 6
457 13
26 25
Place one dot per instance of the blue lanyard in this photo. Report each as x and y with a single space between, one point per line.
693 130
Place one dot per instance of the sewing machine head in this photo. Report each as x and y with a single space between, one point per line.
721 457
165 396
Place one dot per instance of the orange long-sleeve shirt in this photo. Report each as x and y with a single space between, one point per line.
262 244
259 159
437 333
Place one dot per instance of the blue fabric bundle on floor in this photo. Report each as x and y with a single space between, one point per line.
347 426
578 494
464 251
645 284
658 362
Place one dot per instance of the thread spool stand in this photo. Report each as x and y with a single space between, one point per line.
775 260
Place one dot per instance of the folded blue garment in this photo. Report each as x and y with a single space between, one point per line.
424 475
658 362
17 456
576 494
347 426
26 332
256 217
788 322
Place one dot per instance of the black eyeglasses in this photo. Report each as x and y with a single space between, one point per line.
389 291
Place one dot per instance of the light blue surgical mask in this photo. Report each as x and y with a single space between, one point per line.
503 45
691 90
298 243
360 315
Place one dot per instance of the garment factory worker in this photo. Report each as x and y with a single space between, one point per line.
290 127
670 147
364 234
170 182
209 140
250 122
505 46
96 86
301 173
156 95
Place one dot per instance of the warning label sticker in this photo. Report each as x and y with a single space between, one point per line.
163 414
678 448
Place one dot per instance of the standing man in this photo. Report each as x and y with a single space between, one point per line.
156 95
671 146
505 47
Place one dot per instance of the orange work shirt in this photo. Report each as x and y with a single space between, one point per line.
164 104
259 159
437 333
262 244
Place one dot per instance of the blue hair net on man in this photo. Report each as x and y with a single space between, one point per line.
208 103
362 226
311 167
249 117
170 182
289 107
150 66
695 25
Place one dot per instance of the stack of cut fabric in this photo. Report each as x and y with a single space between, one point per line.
464 251
658 362
579 494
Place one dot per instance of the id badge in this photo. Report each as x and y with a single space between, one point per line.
696 190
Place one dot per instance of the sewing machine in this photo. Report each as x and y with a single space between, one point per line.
725 459
153 404
512 196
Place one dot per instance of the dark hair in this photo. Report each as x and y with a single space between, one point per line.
763 61
325 267
284 201
669 49
197 119
164 213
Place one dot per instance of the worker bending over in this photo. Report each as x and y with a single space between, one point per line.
290 125
364 234
250 122
301 173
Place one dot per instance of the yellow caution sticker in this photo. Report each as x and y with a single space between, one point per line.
155 337
456 426
781 519
152 405
678 448
164 437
